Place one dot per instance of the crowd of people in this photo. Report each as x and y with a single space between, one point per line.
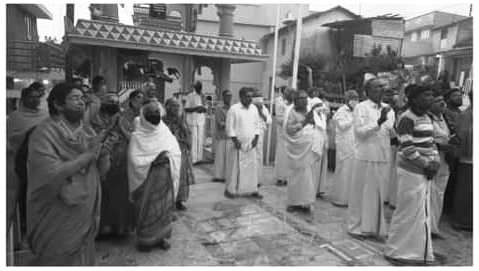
414 156
91 167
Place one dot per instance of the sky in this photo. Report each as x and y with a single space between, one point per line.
405 8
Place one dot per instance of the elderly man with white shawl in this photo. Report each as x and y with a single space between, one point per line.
154 163
345 148
301 137
322 111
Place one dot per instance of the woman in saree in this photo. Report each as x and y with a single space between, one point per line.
177 125
154 162
63 194
117 212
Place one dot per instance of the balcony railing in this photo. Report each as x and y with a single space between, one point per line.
33 56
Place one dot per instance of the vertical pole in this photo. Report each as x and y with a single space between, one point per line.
69 22
299 26
273 81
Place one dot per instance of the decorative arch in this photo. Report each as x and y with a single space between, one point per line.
175 14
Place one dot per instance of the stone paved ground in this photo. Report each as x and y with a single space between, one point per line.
219 231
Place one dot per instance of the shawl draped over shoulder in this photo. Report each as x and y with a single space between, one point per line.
146 143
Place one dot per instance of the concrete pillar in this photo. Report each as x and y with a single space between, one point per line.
225 12
105 63
188 73
223 76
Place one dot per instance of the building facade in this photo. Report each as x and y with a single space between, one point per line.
453 46
316 40
251 22
29 60
418 37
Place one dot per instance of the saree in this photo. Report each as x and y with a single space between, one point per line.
179 129
63 209
19 124
117 211
154 203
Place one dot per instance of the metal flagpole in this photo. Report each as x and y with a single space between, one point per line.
297 44
273 80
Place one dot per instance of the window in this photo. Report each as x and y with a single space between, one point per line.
444 33
158 11
283 47
425 34
30 27
414 36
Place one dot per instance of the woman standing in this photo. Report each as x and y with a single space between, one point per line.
154 162
117 214
178 127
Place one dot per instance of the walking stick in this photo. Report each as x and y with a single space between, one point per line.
238 175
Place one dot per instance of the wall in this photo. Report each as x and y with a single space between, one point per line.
253 14
451 38
247 74
465 31
388 28
420 21
16 28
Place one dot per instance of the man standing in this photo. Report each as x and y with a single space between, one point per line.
221 138
302 159
441 139
373 123
409 237
63 198
322 109
264 121
195 118
453 99
345 148
242 127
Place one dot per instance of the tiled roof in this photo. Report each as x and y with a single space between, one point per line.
142 38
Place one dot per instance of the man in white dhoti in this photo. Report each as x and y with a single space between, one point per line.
242 127
409 236
195 118
441 138
373 122
282 106
221 138
264 121
302 156
345 148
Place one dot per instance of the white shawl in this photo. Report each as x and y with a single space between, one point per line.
146 143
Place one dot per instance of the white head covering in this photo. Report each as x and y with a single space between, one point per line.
146 143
